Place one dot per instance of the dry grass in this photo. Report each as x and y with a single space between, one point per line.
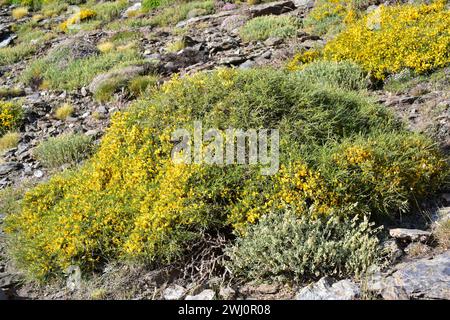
442 232
105 46
19 13
64 111
9 140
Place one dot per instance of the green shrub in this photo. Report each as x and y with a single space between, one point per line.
65 149
346 75
283 246
131 202
142 84
107 11
11 115
327 16
172 15
261 28
11 92
27 43
150 4
9 140
64 111
60 70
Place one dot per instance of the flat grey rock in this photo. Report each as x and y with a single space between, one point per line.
410 235
418 279
207 294
327 289
174 292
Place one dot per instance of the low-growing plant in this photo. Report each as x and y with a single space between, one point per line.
62 71
262 28
65 149
28 42
76 18
19 13
107 89
105 46
9 140
142 84
108 11
172 15
285 246
11 115
175 46
64 111
148 5
10 92
344 74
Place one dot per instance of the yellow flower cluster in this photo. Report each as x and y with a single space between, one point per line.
302 58
393 38
10 116
83 14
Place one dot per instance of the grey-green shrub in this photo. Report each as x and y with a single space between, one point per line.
262 28
64 149
285 246
345 74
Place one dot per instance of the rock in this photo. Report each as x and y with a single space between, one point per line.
3 295
194 20
126 73
73 48
8 280
173 62
92 133
197 12
38 174
274 8
232 61
247 64
422 278
395 293
371 8
73 281
417 249
446 198
174 292
392 250
8 167
207 294
270 42
188 41
7 41
346 290
227 293
233 22
304 4
327 289
410 235
229 6
130 10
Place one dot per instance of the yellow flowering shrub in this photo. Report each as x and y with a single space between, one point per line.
393 38
330 16
302 58
131 202
10 116
82 15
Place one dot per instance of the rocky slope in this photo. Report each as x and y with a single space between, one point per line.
420 267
